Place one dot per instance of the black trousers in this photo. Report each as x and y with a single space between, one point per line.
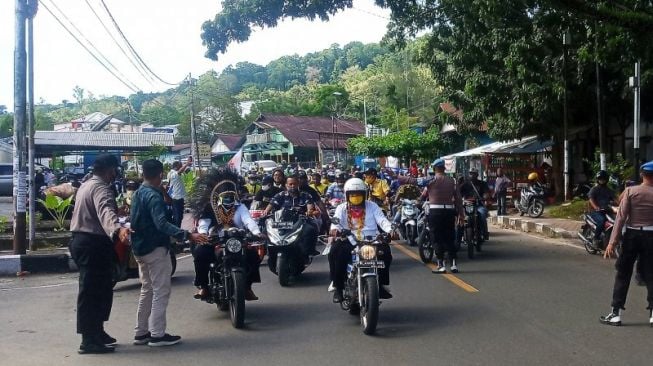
340 257
308 239
636 244
204 255
443 232
177 212
93 255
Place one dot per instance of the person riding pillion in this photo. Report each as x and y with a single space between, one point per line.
215 204
362 217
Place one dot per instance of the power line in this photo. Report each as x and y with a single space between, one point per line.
131 48
131 87
371 13
137 66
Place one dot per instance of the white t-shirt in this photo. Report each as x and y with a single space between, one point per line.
177 189
373 217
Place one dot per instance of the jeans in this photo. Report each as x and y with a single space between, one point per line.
177 212
599 218
635 244
154 270
340 257
501 204
204 255
93 255
483 213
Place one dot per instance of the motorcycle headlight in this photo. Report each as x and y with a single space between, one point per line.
469 209
367 252
234 245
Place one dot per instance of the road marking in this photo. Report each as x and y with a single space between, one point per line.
452 278
38 287
184 256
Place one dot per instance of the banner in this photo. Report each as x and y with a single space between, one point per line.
236 160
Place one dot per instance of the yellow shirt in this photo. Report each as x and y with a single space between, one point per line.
320 188
379 189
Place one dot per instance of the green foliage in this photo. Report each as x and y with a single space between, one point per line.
155 152
620 166
4 220
189 181
403 144
6 125
572 210
58 208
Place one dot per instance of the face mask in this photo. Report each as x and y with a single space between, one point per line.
293 190
265 187
341 185
356 199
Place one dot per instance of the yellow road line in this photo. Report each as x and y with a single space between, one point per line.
452 278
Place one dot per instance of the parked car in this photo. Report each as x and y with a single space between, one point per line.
267 165
6 179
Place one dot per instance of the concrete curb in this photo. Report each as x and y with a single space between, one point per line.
11 264
530 226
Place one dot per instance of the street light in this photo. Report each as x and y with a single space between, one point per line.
634 83
566 42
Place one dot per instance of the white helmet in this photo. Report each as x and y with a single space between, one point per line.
355 185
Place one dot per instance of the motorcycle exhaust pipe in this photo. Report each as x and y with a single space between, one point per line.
583 238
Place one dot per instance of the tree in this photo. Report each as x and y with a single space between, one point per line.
6 125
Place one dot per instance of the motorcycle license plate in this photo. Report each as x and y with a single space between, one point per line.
371 263
283 225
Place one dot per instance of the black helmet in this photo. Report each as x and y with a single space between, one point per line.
602 175
267 180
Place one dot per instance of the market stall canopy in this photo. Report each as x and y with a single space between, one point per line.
527 145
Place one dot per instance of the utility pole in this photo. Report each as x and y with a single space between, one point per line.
566 41
194 148
30 119
20 105
599 101
634 83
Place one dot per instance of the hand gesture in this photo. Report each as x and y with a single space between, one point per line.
609 250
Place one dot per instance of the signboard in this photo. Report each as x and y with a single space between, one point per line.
205 151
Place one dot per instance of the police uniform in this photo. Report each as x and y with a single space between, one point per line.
444 204
635 214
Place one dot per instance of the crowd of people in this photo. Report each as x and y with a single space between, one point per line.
368 204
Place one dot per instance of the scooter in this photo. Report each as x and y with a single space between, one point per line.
531 201
284 229
409 219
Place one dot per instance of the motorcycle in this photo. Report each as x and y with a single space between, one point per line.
471 229
228 275
331 206
124 264
285 259
531 201
409 219
586 233
425 248
361 292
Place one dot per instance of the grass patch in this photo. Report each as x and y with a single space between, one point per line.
573 210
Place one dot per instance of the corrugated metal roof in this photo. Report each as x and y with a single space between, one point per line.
303 131
232 141
96 117
101 139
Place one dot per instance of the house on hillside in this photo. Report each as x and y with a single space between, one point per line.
224 146
299 138
99 121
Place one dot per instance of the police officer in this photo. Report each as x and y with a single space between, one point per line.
635 213
444 205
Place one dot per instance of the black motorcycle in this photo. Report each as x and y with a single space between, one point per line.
228 274
424 246
284 230
361 292
472 235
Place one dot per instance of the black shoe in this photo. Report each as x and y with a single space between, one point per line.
94 348
105 338
142 340
383 293
639 280
486 237
613 318
337 296
166 340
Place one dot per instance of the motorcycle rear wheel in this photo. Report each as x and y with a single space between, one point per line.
283 270
237 300
369 310
588 234
536 209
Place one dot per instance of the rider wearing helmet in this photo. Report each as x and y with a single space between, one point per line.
264 196
477 189
336 190
253 185
600 197
317 184
362 218
378 188
216 201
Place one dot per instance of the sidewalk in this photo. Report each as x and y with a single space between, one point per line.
553 228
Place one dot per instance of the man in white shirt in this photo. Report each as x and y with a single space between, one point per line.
177 190
361 217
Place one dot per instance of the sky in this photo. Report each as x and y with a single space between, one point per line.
166 35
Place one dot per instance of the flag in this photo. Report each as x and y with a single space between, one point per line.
235 162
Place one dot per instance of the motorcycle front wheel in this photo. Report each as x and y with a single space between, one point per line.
425 248
536 209
283 270
237 300
587 235
470 241
369 310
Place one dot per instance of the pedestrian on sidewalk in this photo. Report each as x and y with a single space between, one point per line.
177 189
95 227
501 185
151 247
636 214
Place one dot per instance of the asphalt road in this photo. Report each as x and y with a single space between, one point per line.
537 303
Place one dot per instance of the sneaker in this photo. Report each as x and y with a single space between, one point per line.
142 340
384 293
613 318
331 287
650 320
441 268
94 348
166 340
106 339
337 296
454 267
